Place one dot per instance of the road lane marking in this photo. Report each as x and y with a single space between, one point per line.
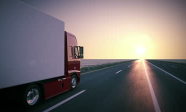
118 71
169 73
129 66
101 69
154 99
64 101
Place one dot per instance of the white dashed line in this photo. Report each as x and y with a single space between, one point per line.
129 66
101 69
118 71
64 101
154 99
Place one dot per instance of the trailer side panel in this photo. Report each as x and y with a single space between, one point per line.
31 45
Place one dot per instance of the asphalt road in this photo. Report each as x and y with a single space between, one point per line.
137 86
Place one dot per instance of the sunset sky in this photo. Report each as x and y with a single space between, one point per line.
123 29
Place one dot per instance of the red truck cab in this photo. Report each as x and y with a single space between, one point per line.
71 79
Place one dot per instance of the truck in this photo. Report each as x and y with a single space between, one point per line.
38 58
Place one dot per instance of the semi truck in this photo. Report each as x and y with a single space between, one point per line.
38 58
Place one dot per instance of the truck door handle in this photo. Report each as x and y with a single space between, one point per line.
64 78
59 80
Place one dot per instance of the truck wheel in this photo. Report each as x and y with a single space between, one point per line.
32 96
74 81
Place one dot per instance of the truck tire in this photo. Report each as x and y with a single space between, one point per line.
32 96
74 81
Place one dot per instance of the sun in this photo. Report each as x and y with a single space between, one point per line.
140 52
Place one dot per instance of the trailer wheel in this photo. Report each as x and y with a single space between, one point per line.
32 96
74 81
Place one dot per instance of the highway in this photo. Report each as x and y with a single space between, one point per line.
136 86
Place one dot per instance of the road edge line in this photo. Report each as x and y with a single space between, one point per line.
169 73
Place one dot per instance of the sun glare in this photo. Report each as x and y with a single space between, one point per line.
141 44
140 52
